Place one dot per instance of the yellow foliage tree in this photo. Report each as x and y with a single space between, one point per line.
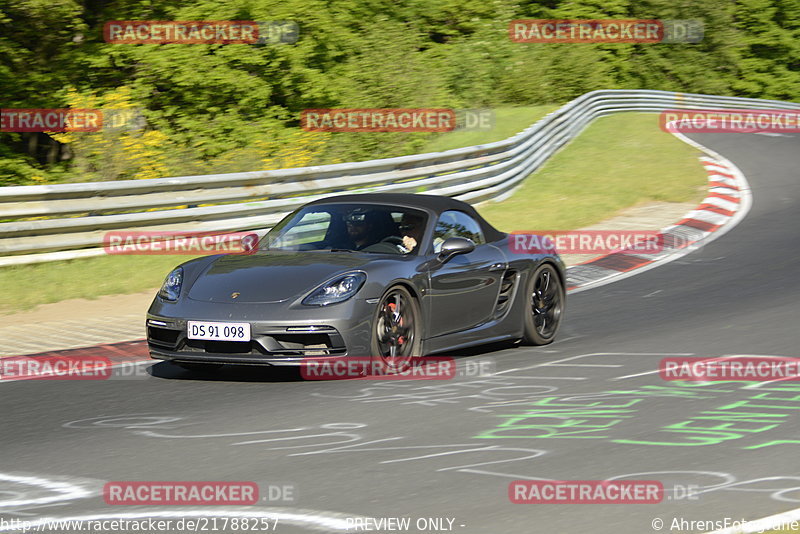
299 149
121 149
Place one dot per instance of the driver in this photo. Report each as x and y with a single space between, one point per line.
360 229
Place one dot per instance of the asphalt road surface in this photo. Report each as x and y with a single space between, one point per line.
589 407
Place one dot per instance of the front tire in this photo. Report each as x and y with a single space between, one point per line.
544 305
396 331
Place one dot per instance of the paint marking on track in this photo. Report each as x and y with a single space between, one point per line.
584 365
764 524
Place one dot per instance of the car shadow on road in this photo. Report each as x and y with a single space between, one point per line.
226 373
271 374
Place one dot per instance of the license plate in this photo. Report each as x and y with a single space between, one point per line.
218 331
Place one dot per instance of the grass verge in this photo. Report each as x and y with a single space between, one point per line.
507 122
27 286
618 162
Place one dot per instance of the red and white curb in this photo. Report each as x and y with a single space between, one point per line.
728 201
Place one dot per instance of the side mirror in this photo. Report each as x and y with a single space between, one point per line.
454 246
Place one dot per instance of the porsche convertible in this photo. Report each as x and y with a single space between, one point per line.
377 275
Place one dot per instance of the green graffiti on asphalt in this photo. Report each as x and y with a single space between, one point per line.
548 418
599 416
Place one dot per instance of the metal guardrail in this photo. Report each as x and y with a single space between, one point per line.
65 221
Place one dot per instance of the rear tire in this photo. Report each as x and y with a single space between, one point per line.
544 305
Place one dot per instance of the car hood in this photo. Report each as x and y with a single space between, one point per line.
269 276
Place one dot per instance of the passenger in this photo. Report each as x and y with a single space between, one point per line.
412 228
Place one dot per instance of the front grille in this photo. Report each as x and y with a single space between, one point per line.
222 347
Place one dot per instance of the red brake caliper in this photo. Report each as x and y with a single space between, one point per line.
392 306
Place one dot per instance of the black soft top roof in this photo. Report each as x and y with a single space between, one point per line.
433 203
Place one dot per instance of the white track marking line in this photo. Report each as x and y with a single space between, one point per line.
545 364
636 375
772 134
715 358
65 491
584 365
765 524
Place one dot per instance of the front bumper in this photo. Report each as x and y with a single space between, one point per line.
279 335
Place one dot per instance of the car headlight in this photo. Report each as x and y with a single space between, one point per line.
171 288
337 290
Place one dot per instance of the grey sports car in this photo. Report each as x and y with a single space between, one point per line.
377 275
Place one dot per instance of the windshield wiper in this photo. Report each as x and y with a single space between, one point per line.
341 250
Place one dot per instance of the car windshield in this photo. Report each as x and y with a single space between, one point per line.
349 227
